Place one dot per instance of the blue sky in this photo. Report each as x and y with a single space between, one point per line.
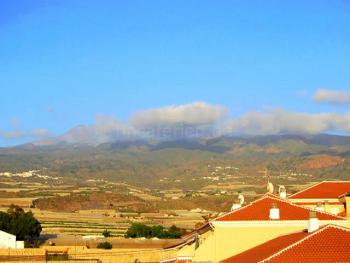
62 63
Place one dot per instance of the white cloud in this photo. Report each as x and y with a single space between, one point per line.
13 134
17 134
15 121
104 129
188 120
332 96
41 132
193 114
280 121
196 119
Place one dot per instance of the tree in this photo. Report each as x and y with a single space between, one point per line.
104 245
174 232
5 221
138 230
26 227
158 231
141 230
20 223
15 211
107 233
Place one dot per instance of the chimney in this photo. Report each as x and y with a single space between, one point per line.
274 212
282 192
283 195
236 205
313 223
241 199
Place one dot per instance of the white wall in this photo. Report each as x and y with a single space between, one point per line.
19 244
7 240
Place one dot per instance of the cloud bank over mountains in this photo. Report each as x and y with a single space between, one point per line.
105 129
196 114
197 119
279 121
201 120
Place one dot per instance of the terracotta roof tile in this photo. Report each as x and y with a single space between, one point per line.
323 190
328 244
267 249
259 210
180 259
169 261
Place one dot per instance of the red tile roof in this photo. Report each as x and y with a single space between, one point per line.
267 249
173 260
328 244
323 190
180 259
177 261
260 208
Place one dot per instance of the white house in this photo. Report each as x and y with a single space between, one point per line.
9 241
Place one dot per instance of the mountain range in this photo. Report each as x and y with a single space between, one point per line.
148 161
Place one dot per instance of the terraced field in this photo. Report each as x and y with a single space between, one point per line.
83 228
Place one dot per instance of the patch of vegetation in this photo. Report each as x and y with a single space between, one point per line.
138 230
104 245
94 200
57 257
21 224
107 233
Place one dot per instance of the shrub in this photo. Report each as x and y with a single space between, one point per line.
104 245
107 233
141 230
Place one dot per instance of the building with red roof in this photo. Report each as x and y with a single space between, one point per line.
326 196
248 226
327 244
259 209
324 190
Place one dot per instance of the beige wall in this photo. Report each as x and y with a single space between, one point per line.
231 239
81 253
22 252
23 255
328 207
122 255
240 239
226 242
